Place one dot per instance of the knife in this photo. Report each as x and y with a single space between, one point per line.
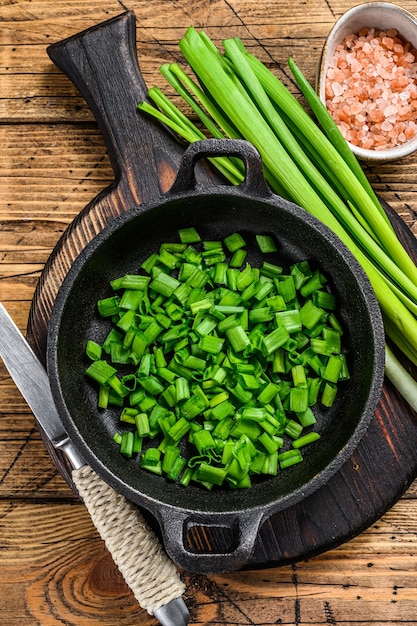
151 575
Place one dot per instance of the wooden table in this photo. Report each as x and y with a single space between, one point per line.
54 568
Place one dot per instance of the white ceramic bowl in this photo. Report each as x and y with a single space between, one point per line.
379 15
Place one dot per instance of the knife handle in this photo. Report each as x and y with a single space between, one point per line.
136 550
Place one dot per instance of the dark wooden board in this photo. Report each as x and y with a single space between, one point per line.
102 64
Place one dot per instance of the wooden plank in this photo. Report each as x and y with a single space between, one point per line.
55 170
28 473
49 174
26 469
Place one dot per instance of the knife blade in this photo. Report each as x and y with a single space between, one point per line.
141 559
32 380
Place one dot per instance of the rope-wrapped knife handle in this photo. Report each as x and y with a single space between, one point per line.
135 548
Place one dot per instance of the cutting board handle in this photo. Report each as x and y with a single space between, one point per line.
102 63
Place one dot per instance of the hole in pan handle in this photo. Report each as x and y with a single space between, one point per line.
254 182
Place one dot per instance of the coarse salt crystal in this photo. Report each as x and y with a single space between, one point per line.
356 108
390 110
355 65
337 88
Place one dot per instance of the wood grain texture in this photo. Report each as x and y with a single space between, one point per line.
53 566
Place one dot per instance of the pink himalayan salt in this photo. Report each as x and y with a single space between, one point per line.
371 89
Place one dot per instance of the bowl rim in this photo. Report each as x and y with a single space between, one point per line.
341 26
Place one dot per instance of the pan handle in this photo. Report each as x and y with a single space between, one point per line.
254 181
175 524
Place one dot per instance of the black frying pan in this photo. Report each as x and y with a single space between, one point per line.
216 211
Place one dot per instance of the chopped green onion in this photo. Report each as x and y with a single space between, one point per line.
131 281
238 258
151 460
238 338
307 417
207 473
305 440
333 368
108 306
203 441
171 454
271 464
293 429
223 410
299 399
131 299
101 372
179 429
103 396
174 472
192 407
93 350
142 424
290 457
276 339
128 415
290 319
266 243
270 269
234 242
270 444
225 360
164 284
329 394
211 344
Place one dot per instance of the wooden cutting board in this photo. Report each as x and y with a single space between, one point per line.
102 64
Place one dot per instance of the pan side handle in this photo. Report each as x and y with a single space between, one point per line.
175 524
102 63
253 182
146 568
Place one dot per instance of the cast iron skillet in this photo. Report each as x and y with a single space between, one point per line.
216 211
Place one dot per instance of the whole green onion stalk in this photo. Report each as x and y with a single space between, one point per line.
236 96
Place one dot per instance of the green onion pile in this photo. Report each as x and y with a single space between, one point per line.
237 96
216 365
